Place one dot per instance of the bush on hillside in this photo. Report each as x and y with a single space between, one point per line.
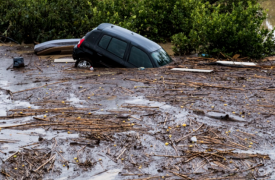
40 20
238 32
227 5
155 19
204 26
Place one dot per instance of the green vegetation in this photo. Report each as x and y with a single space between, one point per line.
202 26
42 20
237 32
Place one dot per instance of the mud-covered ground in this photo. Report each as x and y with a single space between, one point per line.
58 122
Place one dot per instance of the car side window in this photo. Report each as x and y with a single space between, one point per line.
104 42
117 47
139 58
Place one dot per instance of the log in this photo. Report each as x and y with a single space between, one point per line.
45 163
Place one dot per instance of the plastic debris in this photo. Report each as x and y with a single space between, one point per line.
18 62
64 61
194 139
192 70
236 63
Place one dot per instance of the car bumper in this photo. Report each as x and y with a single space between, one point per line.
77 52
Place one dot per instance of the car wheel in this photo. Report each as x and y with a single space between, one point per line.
83 63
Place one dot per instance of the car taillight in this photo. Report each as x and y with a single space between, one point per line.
80 42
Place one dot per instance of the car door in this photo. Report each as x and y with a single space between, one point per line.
111 51
138 58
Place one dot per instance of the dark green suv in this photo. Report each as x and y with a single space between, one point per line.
113 46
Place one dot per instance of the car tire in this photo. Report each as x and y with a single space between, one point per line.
83 63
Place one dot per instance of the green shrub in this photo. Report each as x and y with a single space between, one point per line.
42 20
205 26
159 19
238 32
227 5
156 19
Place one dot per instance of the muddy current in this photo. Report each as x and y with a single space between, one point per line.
58 122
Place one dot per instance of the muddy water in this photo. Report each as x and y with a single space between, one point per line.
167 47
111 98
12 80
270 6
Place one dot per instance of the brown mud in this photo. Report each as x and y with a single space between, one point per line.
58 122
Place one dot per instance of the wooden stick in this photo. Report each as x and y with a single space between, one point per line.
148 177
49 110
51 166
221 165
30 164
127 90
29 145
38 67
121 153
11 156
17 115
246 133
6 174
239 137
237 144
40 119
38 87
140 106
82 90
80 150
65 161
54 145
203 163
135 118
252 167
53 157
165 120
66 124
175 149
167 156
10 66
188 134
181 175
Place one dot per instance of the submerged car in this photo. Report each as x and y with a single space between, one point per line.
113 46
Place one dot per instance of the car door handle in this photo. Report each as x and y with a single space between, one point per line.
99 54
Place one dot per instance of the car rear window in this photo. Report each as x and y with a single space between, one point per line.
104 41
139 58
92 35
117 47
161 57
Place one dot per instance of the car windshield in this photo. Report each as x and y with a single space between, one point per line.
161 57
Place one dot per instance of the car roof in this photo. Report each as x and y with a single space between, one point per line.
135 39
